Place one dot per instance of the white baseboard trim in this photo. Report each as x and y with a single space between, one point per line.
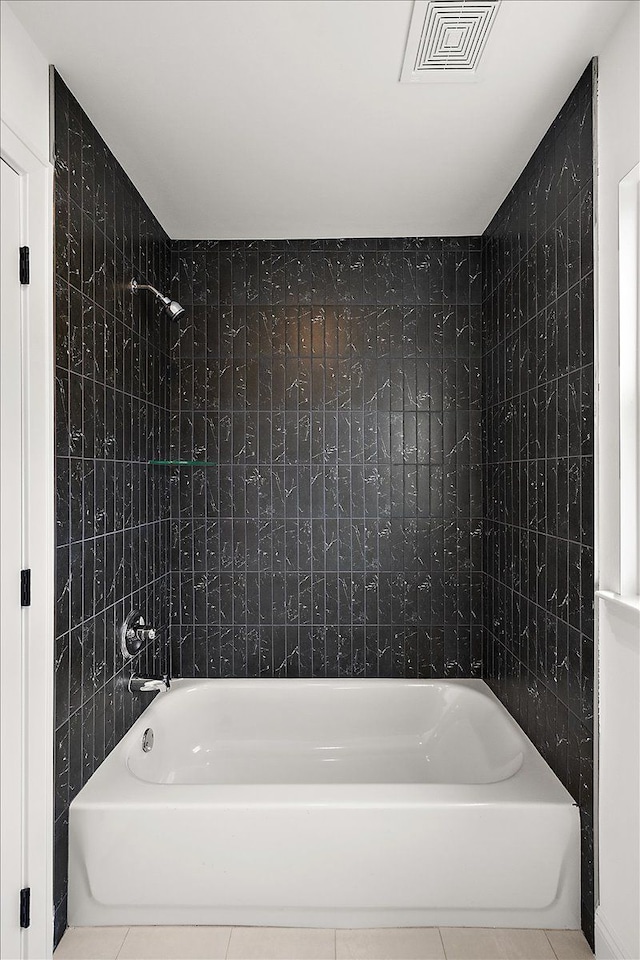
608 947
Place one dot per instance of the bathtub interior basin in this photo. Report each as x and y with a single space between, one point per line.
244 735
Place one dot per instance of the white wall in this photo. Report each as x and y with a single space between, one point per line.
24 84
617 916
24 144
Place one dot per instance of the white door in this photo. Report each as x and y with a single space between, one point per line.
11 614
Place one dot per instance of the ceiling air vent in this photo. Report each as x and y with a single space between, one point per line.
446 40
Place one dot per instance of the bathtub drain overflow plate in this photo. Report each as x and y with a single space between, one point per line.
147 740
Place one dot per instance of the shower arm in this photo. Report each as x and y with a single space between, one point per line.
135 286
172 307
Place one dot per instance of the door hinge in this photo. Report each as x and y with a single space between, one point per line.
25 588
25 907
24 264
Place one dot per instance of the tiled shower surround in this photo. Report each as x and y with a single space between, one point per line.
538 417
339 398
112 509
335 385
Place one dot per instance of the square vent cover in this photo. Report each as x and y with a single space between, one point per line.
446 40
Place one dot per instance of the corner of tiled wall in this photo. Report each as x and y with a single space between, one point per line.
538 429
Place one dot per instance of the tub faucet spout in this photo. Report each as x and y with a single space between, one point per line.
149 684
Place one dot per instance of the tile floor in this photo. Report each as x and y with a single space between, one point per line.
280 943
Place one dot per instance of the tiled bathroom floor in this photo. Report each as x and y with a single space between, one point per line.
280 943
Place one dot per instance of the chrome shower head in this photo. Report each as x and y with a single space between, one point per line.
173 308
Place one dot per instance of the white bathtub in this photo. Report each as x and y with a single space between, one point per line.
325 803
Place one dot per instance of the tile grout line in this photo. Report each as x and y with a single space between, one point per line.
444 952
551 945
124 939
553 949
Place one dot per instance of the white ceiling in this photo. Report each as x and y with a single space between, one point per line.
242 119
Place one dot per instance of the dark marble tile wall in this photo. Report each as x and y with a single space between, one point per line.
112 509
335 388
538 419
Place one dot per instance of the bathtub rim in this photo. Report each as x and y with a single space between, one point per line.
114 784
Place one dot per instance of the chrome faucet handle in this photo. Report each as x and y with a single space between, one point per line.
134 633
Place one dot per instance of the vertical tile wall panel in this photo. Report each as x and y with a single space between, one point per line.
334 386
112 509
538 428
